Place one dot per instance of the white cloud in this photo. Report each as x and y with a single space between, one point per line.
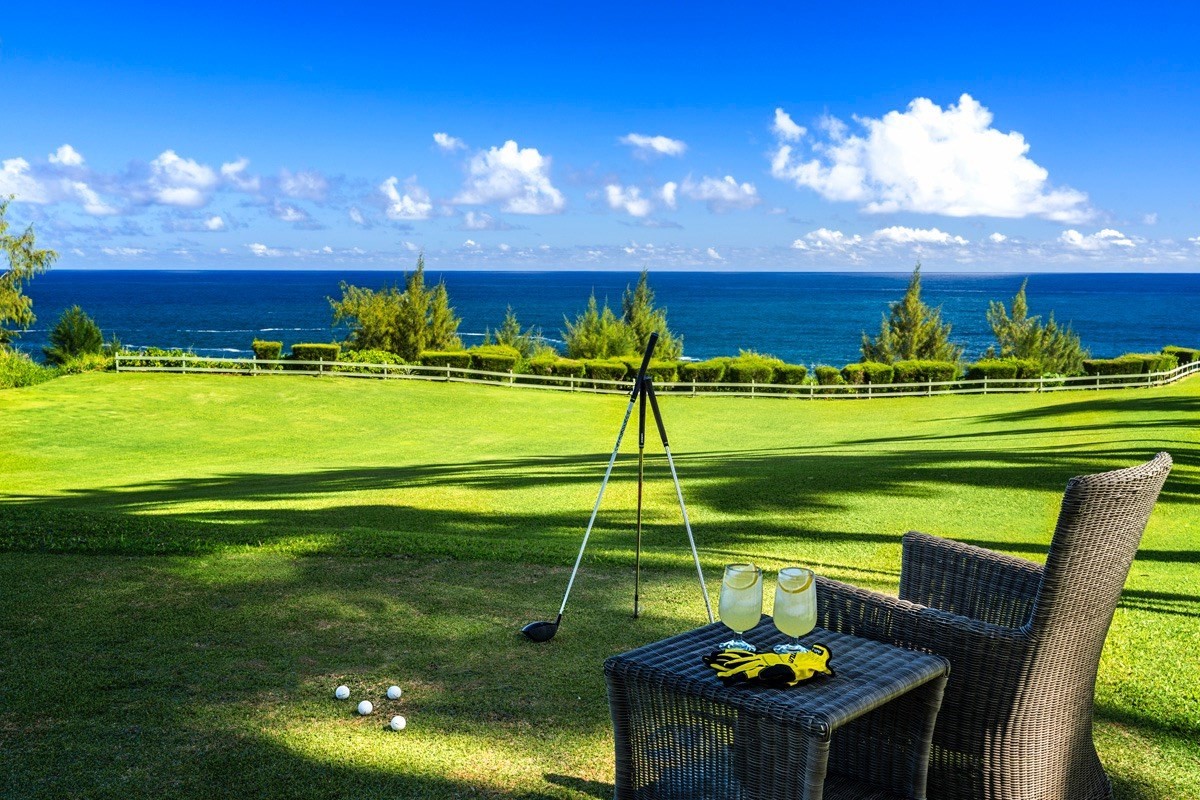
1150 219
289 213
214 223
471 244
933 161
482 221
123 252
410 247
15 179
449 143
825 239
176 181
721 194
1102 240
713 254
413 204
785 128
1194 239
234 173
898 234
91 202
669 192
66 156
305 185
517 179
646 146
998 238
356 216
263 251
628 199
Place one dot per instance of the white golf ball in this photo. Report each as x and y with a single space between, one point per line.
394 692
365 707
341 692
398 723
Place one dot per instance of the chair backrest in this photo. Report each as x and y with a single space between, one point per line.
1097 535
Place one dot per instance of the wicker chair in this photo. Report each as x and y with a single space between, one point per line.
1023 641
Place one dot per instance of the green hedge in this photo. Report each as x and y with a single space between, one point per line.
266 351
658 370
558 367
828 376
315 352
868 372
751 368
1130 364
790 374
924 371
711 371
1185 355
459 359
605 369
18 369
495 357
371 361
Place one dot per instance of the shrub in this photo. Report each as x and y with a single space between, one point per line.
868 372
18 369
459 359
924 371
828 376
315 352
604 369
1185 355
75 334
266 351
494 357
87 362
659 371
1130 364
790 374
372 361
992 368
158 357
751 367
711 371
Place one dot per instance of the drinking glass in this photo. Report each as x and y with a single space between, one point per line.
795 606
741 603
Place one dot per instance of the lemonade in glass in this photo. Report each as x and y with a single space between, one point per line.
795 606
741 603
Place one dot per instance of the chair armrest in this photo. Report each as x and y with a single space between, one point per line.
849 609
967 580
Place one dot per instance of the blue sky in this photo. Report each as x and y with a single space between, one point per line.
542 136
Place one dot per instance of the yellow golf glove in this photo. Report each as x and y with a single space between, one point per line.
787 669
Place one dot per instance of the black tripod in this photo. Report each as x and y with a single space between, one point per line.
643 391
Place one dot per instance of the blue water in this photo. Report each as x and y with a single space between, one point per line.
801 317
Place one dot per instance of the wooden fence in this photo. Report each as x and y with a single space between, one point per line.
130 362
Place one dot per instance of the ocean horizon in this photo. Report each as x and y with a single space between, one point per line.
802 317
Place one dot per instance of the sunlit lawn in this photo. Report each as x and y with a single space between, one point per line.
195 562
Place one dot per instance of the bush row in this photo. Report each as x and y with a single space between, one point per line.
747 368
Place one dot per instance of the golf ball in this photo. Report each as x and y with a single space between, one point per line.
398 723
341 692
365 707
394 692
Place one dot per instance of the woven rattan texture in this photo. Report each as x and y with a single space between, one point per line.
680 734
1024 641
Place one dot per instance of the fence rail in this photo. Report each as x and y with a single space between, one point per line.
130 362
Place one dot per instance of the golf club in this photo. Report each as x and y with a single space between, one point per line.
544 631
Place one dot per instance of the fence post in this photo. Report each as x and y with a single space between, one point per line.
985 383
511 379
693 387
929 388
752 387
447 372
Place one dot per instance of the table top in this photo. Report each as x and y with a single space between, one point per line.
867 675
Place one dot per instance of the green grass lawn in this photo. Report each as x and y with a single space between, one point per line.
191 564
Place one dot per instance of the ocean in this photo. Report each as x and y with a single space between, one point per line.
804 318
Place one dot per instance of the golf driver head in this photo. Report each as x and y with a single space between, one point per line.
540 631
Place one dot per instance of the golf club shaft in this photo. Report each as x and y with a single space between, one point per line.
596 508
687 524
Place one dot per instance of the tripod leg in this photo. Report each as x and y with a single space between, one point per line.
662 432
637 559
596 508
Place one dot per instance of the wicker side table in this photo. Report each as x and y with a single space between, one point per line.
864 733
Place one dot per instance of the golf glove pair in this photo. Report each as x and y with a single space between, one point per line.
773 669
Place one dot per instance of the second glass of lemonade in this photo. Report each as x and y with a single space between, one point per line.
795 606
